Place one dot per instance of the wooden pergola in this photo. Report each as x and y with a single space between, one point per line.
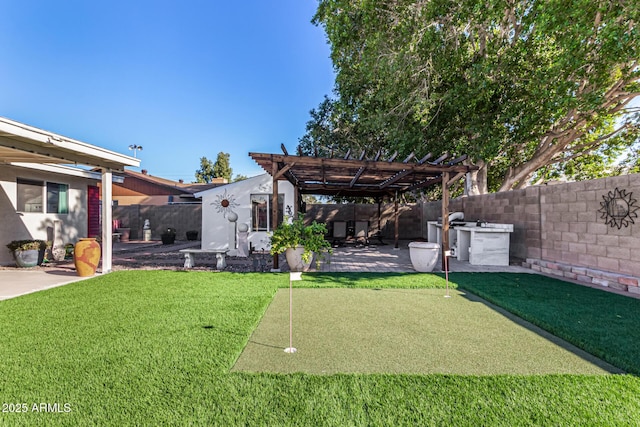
362 177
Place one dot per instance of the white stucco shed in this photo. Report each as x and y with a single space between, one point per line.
250 200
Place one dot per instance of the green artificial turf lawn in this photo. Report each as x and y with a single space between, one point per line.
156 348
602 323
404 331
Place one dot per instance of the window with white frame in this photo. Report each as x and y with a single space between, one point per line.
30 196
57 198
261 211
33 196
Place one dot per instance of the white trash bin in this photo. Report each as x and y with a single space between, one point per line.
424 255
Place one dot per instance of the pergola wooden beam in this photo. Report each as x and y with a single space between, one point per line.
355 164
425 158
457 160
395 178
362 177
355 178
352 177
283 170
455 178
292 178
440 159
409 157
425 183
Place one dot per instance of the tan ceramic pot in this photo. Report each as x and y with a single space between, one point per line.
86 257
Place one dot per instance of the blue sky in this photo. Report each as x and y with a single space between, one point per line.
183 79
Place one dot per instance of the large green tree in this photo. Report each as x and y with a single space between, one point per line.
527 88
222 167
205 174
218 169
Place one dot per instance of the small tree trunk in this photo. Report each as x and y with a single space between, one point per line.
476 181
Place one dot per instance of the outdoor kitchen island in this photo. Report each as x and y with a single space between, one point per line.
486 244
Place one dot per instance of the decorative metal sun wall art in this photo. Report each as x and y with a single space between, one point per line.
618 208
225 203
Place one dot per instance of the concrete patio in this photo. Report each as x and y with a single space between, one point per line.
386 258
20 281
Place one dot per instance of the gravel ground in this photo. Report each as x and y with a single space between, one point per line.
175 261
155 256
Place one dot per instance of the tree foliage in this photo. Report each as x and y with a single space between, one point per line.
222 167
523 86
631 162
240 177
205 174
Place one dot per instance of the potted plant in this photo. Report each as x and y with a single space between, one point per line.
123 231
68 251
300 242
192 235
169 236
28 253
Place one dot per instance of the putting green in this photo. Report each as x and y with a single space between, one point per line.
414 331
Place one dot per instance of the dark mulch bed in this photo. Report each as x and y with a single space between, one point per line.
175 261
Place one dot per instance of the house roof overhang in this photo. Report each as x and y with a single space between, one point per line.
20 143
67 170
361 177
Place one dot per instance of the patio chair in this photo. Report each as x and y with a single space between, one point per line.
339 232
361 233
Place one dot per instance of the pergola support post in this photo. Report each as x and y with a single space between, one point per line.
445 218
107 220
396 220
379 219
274 210
297 200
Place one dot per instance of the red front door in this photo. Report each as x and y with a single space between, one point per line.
93 211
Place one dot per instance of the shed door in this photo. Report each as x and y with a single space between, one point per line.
93 211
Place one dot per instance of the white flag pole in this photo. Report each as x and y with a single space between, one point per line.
292 276
446 271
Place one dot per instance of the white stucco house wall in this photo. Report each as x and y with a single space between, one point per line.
250 199
46 194
47 203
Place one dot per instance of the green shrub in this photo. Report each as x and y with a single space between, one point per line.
296 233
26 245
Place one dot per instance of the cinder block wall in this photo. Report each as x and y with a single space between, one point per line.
520 208
411 222
181 217
562 229
574 229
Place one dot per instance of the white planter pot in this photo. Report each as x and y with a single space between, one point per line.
424 255
294 259
28 258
